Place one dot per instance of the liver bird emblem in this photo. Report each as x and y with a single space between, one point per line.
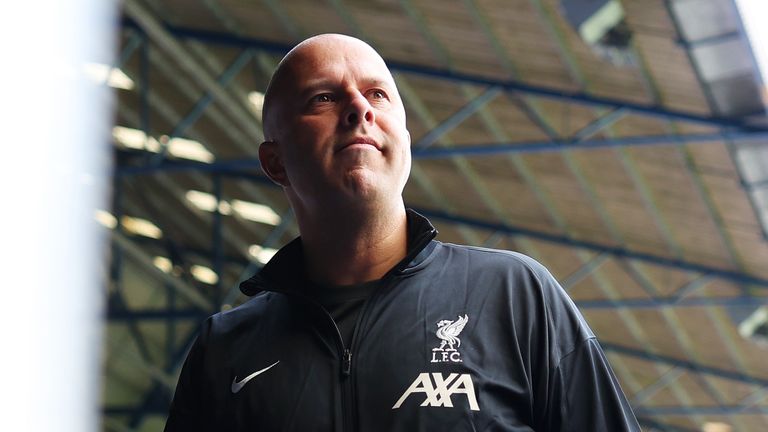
448 331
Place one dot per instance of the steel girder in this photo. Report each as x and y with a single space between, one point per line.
233 168
579 98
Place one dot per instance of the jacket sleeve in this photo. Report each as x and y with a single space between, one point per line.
191 408
579 390
587 395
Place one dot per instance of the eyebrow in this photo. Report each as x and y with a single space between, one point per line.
315 85
324 83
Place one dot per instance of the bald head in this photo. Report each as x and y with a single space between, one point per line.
335 129
302 60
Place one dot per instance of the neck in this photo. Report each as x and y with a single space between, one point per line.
347 248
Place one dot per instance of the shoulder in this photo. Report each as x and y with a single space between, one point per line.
487 259
248 314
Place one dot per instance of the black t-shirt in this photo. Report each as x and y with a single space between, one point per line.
344 303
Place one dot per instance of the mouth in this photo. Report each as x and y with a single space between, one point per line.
360 141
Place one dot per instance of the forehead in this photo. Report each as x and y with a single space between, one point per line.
331 61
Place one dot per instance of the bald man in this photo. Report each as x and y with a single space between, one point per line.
365 322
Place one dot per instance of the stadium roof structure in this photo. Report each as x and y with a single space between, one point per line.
638 174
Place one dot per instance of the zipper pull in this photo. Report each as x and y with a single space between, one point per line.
346 366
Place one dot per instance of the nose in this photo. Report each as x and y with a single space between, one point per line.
358 111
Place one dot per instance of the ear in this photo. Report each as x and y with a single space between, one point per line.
272 163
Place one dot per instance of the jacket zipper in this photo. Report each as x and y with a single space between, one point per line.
345 373
350 408
346 369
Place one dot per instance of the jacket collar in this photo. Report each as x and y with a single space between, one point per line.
286 270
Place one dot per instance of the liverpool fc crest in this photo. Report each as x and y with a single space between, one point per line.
448 332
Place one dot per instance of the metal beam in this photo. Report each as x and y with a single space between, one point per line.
147 23
658 426
197 110
584 271
677 264
191 294
710 40
666 379
159 388
606 120
448 75
685 364
703 410
457 118
548 146
660 302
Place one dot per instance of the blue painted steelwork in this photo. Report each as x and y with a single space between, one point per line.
224 79
701 410
596 126
711 40
639 277
217 257
187 251
646 422
115 299
614 251
468 150
692 286
578 98
170 323
135 41
751 187
130 158
197 110
157 394
457 118
664 380
507 85
116 264
676 302
144 111
584 271
549 146
685 364
533 115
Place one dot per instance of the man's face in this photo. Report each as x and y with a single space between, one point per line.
339 125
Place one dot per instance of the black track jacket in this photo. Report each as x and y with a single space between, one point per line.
456 339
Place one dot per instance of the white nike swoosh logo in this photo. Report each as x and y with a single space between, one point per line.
236 386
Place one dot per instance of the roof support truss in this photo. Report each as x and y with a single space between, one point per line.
579 98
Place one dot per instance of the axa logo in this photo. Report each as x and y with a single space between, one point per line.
448 332
438 390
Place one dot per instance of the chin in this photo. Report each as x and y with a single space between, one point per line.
363 184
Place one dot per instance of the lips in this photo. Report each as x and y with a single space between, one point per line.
360 140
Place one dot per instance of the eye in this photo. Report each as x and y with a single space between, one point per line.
378 94
322 98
